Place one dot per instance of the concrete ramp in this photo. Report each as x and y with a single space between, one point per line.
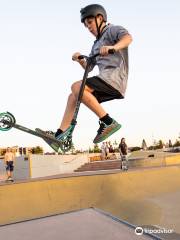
141 197
86 224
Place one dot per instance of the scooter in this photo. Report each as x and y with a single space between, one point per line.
8 121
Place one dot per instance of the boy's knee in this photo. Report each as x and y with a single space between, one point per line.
71 97
75 88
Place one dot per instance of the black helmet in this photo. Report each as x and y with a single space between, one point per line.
93 10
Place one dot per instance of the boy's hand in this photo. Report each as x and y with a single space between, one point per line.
75 57
82 62
104 50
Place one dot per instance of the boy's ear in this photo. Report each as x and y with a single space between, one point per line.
100 17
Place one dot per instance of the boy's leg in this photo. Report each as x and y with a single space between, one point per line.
8 174
108 127
88 99
11 170
7 170
124 161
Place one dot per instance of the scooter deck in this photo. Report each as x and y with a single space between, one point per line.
33 132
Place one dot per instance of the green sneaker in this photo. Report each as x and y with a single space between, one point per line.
50 142
106 131
64 139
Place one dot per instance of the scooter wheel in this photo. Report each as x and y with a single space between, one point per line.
66 145
6 118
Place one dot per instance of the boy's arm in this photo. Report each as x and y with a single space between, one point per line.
5 158
122 43
82 62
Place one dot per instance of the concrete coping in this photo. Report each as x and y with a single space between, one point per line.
87 173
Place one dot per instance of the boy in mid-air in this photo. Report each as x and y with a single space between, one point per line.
111 81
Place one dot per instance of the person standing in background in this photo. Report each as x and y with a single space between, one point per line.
103 152
9 159
107 150
123 150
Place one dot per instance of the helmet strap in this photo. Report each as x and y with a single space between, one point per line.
98 28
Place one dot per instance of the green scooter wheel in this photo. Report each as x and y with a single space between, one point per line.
6 118
66 144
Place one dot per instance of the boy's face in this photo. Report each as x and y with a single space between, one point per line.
91 24
8 149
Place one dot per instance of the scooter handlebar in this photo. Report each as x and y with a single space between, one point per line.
81 57
110 51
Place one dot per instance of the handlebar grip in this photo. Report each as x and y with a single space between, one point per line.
80 57
111 51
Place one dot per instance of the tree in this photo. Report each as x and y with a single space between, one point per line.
176 144
159 145
135 149
170 144
144 145
90 150
37 150
2 152
96 148
151 148
115 143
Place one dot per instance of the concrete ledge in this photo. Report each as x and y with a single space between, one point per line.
155 162
129 195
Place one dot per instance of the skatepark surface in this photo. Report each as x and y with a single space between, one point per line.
141 197
83 224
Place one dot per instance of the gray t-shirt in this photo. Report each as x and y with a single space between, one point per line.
113 68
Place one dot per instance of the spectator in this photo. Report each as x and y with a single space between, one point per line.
103 151
123 149
9 159
107 150
111 149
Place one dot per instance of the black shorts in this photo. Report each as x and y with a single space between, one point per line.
9 166
102 91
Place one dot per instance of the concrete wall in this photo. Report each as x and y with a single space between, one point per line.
2 170
43 165
48 165
141 197
155 161
21 168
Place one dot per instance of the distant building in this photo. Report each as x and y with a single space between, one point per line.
19 150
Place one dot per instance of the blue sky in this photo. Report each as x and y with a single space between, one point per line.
37 41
